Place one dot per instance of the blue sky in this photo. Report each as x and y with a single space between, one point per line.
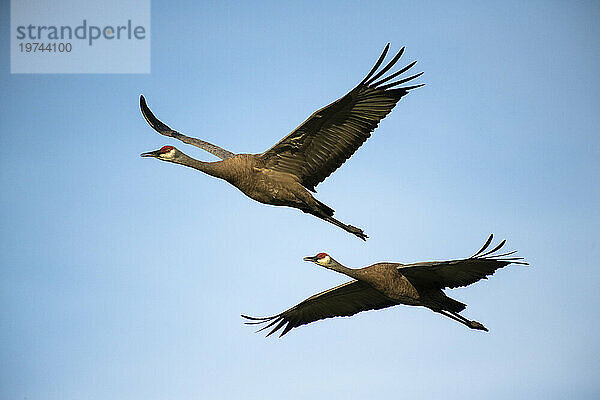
124 277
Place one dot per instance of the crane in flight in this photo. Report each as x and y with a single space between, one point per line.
285 174
388 284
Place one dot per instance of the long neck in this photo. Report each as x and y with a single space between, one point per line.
337 267
210 168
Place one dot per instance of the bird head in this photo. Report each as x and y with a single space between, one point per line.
166 153
322 259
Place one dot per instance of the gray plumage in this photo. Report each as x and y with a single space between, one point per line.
385 284
284 174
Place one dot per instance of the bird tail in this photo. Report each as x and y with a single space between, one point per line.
443 302
439 301
453 305
325 209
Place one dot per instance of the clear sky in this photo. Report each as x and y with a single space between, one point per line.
124 278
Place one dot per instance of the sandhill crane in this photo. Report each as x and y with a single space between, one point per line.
387 284
284 174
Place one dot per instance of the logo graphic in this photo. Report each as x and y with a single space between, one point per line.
73 36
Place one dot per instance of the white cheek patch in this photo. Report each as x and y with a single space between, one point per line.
169 154
324 261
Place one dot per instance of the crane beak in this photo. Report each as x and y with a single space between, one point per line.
151 154
312 259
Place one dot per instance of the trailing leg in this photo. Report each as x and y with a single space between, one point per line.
348 228
324 212
462 320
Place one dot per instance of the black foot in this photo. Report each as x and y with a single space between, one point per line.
358 232
477 325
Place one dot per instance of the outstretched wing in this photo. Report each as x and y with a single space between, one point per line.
456 273
332 134
163 129
341 301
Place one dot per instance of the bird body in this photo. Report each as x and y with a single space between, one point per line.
248 173
387 280
387 284
285 174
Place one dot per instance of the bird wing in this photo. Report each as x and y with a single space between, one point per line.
456 273
332 134
163 129
341 301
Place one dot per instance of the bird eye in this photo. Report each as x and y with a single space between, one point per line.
321 255
166 149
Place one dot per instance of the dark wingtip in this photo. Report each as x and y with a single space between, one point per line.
485 246
392 76
377 64
254 318
144 107
151 119
401 81
495 249
287 328
386 68
504 257
143 104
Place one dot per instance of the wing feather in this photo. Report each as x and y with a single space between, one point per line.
341 301
323 142
456 273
